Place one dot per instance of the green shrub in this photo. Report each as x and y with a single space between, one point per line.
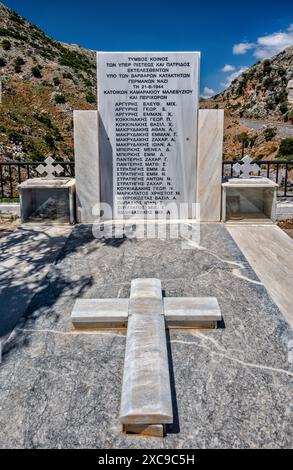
270 105
49 139
281 97
74 60
270 133
88 82
90 97
283 107
13 16
60 98
18 64
6 45
267 82
67 76
43 119
56 81
286 147
2 62
36 72
15 137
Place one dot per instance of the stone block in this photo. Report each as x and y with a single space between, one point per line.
192 312
100 313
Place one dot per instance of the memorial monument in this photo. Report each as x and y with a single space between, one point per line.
148 151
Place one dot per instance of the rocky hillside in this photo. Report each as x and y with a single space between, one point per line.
43 80
261 91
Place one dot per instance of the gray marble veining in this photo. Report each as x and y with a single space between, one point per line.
231 387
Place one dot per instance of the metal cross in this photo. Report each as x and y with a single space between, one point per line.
49 169
247 168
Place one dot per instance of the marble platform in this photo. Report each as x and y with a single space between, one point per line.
231 387
270 252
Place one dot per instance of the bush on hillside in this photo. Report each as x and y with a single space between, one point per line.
90 97
60 98
36 71
286 147
6 45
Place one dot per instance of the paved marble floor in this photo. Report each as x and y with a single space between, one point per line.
270 253
232 387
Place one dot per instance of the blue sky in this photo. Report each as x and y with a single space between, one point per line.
234 34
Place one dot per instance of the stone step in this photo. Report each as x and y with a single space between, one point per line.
100 313
188 312
146 392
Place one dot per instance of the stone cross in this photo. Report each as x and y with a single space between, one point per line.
49 169
247 168
146 403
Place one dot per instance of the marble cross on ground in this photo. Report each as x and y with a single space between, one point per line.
146 404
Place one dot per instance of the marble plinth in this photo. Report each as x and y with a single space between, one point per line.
249 200
47 200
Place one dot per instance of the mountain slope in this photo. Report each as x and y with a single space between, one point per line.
43 80
261 91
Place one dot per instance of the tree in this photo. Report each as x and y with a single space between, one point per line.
36 72
286 147
6 45
270 133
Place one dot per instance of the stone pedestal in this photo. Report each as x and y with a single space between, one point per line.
249 200
48 200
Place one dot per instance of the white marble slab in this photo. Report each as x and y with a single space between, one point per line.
148 108
185 311
86 148
209 165
100 313
146 393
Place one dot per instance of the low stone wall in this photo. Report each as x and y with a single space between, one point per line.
10 208
285 210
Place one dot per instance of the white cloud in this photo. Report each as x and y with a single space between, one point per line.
268 45
234 75
208 92
272 44
242 48
228 68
